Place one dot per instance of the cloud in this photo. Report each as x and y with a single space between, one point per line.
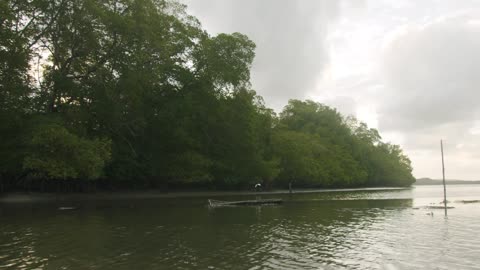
432 73
290 36
344 104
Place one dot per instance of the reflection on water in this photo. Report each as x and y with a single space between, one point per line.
361 229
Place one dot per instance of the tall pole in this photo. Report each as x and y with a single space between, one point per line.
444 186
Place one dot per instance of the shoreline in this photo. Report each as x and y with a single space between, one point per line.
25 197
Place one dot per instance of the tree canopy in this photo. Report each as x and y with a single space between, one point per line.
137 93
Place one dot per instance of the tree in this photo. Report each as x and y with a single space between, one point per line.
137 94
319 147
56 153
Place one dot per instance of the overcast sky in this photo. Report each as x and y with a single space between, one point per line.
409 68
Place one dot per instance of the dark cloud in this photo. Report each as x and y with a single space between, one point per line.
290 36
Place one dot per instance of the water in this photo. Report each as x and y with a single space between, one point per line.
352 230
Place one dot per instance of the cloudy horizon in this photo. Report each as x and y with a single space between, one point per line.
406 68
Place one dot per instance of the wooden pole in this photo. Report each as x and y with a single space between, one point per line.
444 186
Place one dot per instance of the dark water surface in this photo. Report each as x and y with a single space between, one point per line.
353 230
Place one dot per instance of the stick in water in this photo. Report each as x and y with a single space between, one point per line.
444 186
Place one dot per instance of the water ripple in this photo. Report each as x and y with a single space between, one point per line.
308 232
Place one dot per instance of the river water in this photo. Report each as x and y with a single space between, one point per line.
361 229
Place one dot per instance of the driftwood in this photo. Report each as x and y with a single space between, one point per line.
215 203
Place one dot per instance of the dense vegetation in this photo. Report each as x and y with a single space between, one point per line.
134 93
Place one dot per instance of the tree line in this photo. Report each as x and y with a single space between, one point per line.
136 94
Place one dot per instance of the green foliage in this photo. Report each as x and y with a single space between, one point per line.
174 102
226 59
319 147
56 153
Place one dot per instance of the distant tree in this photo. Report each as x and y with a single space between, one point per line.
319 147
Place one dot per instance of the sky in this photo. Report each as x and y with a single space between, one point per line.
408 68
